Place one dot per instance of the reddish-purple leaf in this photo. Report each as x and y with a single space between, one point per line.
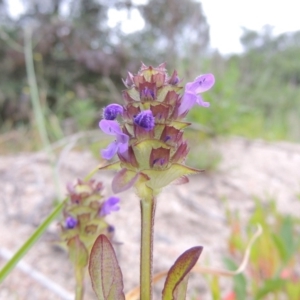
176 284
105 272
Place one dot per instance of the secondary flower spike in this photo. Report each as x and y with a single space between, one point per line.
149 139
82 219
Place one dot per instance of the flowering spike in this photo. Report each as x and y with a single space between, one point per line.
145 120
84 219
111 111
149 142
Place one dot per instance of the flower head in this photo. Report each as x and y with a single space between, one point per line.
110 205
110 112
70 222
82 222
192 90
120 144
145 120
149 140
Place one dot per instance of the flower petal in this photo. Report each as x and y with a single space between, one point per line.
202 83
110 127
122 142
201 102
110 151
188 101
110 205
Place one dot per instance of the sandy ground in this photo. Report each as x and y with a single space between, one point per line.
186 216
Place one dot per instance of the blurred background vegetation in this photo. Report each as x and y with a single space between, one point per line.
79 61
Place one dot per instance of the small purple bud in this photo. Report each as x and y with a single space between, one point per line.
147 93
110 205
111 111
167 138
159 161
110 228
174 79
70 222
145 120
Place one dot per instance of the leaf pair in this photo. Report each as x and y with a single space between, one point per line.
107 280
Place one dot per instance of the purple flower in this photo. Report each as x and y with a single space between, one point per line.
120 144
192 90
110 112
110 205
145 119
70 222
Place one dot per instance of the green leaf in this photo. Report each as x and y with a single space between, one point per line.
269 286
77 251
239 281
105 272
161 178
287 236
176 284
280 246
180 291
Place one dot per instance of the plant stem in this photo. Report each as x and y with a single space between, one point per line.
147 225
79 274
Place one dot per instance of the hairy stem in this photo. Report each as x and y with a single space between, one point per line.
79 274
147 225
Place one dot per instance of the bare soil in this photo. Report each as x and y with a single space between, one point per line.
186 215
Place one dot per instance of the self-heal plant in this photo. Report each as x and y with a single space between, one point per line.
83 222
151 154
